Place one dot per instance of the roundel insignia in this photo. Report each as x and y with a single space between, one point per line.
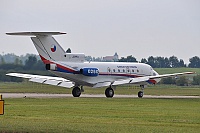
53 48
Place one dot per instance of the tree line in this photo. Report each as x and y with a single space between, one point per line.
181 81
31 65
164 62
35 66
155 62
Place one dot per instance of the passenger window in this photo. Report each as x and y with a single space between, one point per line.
123 71
113 70
119 70
137 70
132 70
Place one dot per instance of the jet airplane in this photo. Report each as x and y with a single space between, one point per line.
72 70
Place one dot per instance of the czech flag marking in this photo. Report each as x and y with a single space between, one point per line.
53 48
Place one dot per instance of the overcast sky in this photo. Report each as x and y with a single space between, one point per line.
141 28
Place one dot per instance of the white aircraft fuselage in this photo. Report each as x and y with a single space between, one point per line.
106 72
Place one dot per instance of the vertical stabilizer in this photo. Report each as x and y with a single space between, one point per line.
49 49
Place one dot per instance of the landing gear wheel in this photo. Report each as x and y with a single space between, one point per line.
140 94
76 92
109 92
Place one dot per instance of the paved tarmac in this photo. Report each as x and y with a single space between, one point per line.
42 95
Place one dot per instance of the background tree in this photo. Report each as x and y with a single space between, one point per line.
2 60
194 62
129 58
182 81
167 63
143 60
174 62
168 80
196 80
18 61
181 63
151 61
30 62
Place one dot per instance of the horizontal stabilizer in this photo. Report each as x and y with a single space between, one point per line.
36 33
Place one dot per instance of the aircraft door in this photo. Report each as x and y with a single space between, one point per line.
109 72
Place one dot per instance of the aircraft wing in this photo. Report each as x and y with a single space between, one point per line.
57 81
138 79
131 81
121 82
170 75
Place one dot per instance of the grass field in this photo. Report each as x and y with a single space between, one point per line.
88 115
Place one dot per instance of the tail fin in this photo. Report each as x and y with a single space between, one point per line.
47 47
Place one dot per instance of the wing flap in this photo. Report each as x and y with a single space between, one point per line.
102 84
131 81
122 82
51 82
66 84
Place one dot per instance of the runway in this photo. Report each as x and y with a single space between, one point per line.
42 95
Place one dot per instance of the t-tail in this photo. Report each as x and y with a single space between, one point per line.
48 48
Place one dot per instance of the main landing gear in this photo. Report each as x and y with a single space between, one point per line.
141 93
76 92
109 92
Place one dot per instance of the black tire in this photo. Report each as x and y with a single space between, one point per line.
109 92
76 92
140 94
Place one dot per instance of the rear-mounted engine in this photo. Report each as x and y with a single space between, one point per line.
89 71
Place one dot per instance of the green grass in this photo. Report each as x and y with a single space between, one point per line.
88 115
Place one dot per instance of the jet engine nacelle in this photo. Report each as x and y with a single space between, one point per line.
51 67
90 71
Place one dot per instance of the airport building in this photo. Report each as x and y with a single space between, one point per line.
113 58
